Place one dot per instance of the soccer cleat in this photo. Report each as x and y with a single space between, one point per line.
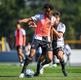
39 67
41 70
22 75
65 73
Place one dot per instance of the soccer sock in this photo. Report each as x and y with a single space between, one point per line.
27 61
63 67
39 64
54 59
62 64
38 67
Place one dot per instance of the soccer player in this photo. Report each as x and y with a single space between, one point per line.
20 41
58 41
44 21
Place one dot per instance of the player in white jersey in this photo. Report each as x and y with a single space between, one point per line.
58 41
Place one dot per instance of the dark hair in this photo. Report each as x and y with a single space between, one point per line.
57 13
47 5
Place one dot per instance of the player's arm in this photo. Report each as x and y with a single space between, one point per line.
25 20
29 21
32 24
58 34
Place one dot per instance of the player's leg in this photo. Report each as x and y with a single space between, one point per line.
62 62
48 58
29 58
20 54
47 51
40 60
46 62
54 62
27 61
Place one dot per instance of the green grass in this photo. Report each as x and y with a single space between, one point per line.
11 72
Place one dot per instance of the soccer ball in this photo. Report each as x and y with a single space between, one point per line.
29 73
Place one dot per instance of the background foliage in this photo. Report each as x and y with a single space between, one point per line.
12 10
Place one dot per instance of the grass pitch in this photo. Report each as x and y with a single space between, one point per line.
11 72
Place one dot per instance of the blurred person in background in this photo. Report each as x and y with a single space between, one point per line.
20 42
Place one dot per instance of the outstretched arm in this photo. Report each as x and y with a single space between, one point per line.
26 20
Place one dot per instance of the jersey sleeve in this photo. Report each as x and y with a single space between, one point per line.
36 17
62 28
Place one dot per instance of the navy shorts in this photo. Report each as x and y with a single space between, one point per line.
46 46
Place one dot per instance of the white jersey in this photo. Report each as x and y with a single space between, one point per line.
59 42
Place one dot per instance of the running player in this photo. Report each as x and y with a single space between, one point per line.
42 36
20 41
58 41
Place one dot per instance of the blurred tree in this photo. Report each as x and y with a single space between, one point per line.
12 10
9 13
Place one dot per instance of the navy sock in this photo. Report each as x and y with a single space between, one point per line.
62 62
